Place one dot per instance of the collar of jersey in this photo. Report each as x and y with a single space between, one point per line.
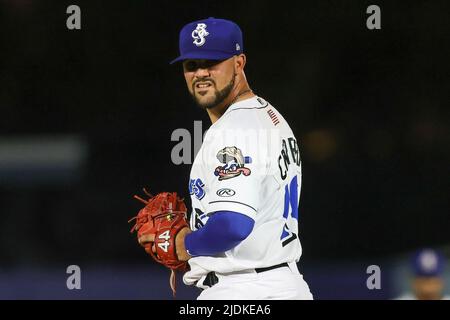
242 104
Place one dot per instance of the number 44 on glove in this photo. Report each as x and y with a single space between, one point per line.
162 218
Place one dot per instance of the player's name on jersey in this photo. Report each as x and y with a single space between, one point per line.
287 157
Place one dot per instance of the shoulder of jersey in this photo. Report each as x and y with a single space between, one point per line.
405 296
246 114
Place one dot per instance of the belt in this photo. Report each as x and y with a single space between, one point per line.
211 278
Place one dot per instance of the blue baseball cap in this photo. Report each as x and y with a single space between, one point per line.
428 263
210 39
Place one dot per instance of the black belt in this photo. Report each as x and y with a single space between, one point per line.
211 278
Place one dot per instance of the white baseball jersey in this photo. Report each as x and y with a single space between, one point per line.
249 163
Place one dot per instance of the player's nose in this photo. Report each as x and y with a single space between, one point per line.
201 73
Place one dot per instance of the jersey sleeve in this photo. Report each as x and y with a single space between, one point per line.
236 163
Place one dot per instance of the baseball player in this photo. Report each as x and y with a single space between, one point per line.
428 281
243 240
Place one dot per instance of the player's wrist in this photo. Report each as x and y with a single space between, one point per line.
182 253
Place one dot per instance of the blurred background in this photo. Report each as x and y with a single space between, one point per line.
87 116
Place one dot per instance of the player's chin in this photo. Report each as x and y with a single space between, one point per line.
204 94
206 102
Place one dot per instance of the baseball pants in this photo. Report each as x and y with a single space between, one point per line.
285 283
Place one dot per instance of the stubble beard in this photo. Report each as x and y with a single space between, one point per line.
220 95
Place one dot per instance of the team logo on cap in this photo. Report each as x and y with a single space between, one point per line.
428 261
199 34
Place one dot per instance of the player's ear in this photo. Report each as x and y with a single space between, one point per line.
240 61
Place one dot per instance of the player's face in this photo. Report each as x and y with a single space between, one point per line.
209 82
428 288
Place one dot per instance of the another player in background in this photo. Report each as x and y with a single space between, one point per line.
428 280
243 240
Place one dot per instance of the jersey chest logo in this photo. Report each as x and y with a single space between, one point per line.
234 163
199 34
197 188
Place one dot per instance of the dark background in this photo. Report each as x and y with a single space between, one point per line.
369 107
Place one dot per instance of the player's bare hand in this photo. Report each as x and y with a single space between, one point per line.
147 241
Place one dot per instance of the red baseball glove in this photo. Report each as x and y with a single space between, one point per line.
163 216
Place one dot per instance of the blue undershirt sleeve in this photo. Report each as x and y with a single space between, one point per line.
223 231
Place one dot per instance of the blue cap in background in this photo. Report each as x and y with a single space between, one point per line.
428 263
210 39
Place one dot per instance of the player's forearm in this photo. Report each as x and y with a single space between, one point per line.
223 231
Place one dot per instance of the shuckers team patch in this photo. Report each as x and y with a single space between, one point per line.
233 161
